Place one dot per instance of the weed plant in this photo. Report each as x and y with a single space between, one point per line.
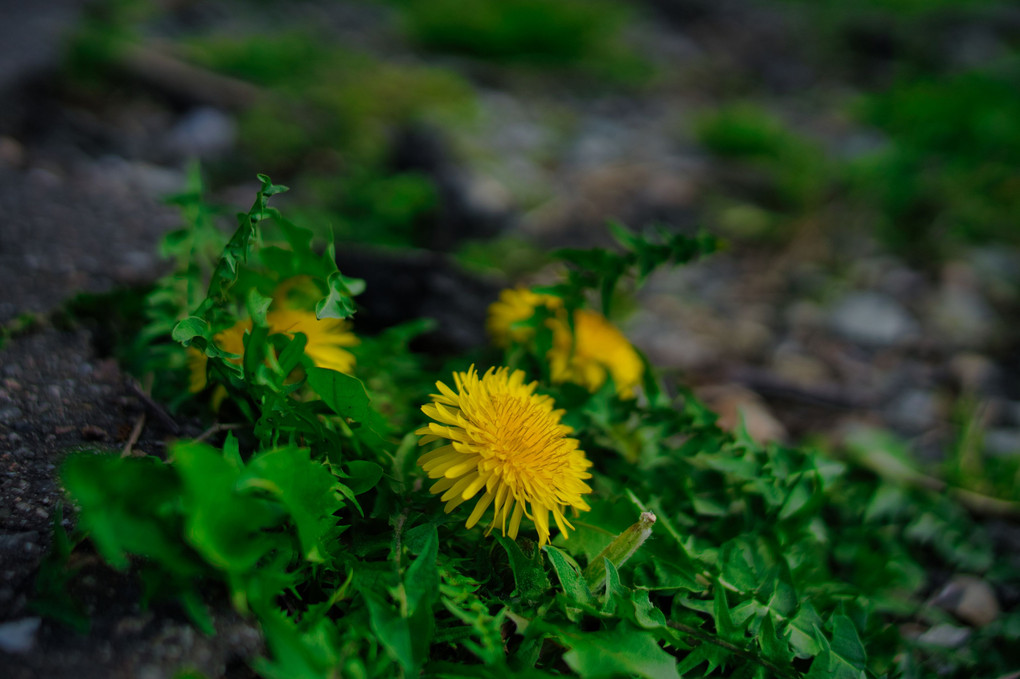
676 549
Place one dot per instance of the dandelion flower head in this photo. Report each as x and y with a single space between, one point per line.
230 340
514 306
327 339
506 442
594 350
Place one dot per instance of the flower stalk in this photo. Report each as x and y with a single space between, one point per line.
619 550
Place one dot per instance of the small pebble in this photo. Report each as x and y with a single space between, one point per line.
969 598
10 414
1002 442
872 318
18 636
945 636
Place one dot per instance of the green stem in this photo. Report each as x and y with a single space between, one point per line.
705 637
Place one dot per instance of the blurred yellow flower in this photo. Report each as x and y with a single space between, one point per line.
327 339
594 350
598 349
230 340
508 441
513 306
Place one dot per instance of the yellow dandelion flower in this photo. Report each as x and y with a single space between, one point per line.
327 340
230 340
513 306
598 348
508 441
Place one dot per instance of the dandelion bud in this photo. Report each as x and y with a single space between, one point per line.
619 550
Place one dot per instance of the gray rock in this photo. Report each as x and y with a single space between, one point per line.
914 410
945 636
13 542
152 180
997 270
203 132
32 37
872 318
18 636
1002 442
969 598
961 316
24 453
974 373
10 414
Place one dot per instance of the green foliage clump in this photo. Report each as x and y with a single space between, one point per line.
791 171
949 171
107 28
324 97
704 553
368 205
581 34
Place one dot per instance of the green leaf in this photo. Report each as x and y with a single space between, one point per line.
889 501
305 488
296 654
614 588
223 525
254 353
51 596
257 305
345 395
421 580
406 640
772 646
362 476
529 575
714 655
127 506
190 328
299 239
737 569
406 631
724 624
339 301
803 631
641 611
268 187
571 580
232 451
293 353
847 655
621 651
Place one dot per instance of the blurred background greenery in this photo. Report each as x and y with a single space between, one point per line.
896 115
862 160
